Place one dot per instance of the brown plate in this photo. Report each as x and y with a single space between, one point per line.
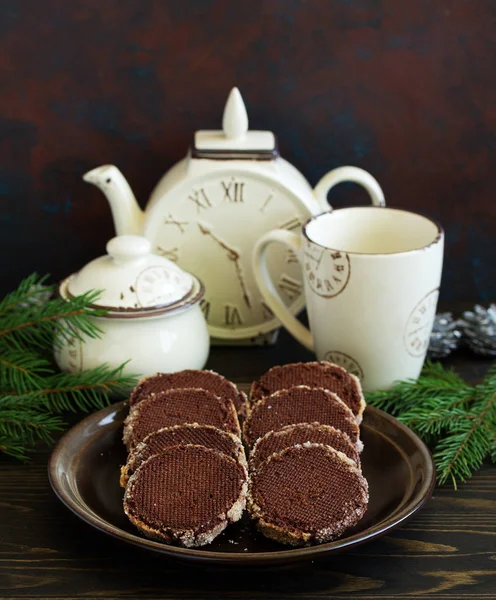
84 473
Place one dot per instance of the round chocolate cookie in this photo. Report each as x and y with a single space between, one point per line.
291 435
186 495
199 435
305 494
299 404
178 407
205 380
314 374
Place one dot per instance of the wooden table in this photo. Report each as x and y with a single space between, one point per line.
447 551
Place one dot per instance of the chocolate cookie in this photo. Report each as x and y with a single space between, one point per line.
306 494
206 380
314 374
178 407
186 495
299 404
199 435
291 435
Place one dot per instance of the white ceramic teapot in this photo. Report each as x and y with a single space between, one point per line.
208 211
154 319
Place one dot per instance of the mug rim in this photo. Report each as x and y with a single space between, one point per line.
436 240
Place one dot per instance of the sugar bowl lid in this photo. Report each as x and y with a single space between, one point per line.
132 279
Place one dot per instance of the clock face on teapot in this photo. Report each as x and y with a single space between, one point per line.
209 226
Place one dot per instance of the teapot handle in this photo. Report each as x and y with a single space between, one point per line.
354 174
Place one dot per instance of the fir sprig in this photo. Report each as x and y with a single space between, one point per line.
456 420
34 325
33 392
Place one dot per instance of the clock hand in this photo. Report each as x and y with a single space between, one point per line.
314 258
232 255
311 257
241 280
418 329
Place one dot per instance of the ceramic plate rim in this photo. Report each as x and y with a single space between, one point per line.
78 507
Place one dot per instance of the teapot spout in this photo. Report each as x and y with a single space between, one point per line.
127 215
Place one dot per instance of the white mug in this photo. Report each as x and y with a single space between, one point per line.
372 279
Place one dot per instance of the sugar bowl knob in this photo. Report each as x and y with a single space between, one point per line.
124 248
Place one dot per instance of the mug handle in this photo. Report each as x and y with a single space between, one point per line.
354 174
268 289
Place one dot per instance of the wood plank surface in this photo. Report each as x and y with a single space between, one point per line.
447 551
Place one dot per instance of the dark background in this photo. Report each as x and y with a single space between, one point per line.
402 88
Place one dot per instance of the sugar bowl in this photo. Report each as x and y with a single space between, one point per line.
153 320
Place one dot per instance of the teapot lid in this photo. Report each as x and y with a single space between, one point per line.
133 279
235 140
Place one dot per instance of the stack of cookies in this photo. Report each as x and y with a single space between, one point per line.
186 476
302 430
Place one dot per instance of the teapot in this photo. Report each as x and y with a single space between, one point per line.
209 210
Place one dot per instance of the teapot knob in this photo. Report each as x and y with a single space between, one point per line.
124 248
235 119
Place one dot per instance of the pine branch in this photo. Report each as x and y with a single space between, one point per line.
491 432
22 370
21 429
463 452
30 424
32 391
84 390
442 374
11 400
13 447
28 291
87 389
457 420
42 325
431 422
436 383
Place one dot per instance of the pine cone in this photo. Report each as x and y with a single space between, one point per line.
479 329
445 336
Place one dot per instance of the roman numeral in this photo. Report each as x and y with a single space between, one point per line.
416 344
291 287
267 313
294 223
291 257
172 221
233 191
200 198
265 204
232 316
205 308
172 254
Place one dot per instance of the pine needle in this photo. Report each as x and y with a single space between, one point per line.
456 420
